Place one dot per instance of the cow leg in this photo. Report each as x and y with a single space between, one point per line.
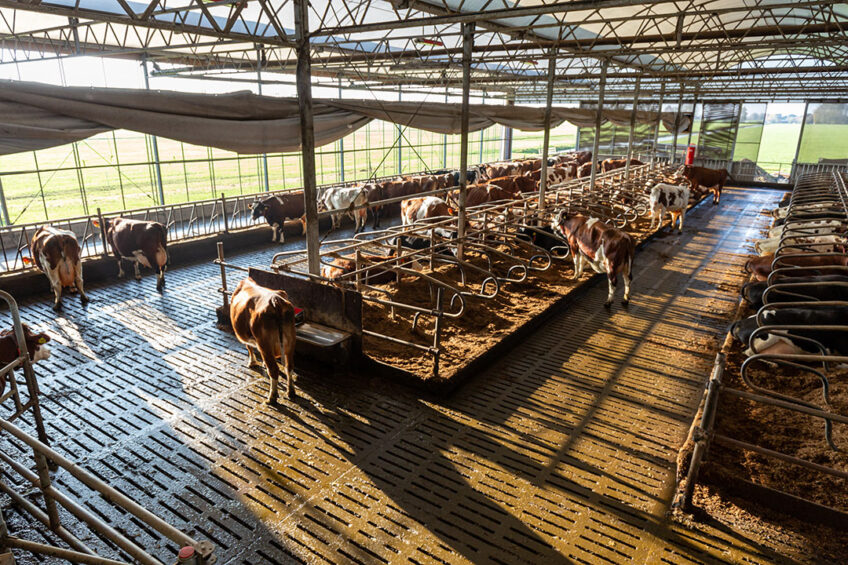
281 234
252 361
680 216
137 271
576 258
273 373
612 280
121 273
56 286
78 283
287 354
627 274
275 232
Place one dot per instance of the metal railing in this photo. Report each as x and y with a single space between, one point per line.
814 196
53 498
494 234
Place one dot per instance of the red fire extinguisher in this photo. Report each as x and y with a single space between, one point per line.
690 154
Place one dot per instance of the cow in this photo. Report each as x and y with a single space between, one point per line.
712 179
36 345
806 265
56 253
816 208
606 249
815 288
555 175
820 243
613 164
277 210
542 236
585 170
373 193
141 242
582 156
811 227
671 198
471 176
515 185
835 342
417 209
341 265
343 200
418 243
263 319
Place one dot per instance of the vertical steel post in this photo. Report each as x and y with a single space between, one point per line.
154 143
482 132
445 140
341 145
659 123
506 142
676 125
399 141
546 140
259 54
307 134
800 138
596 142
692 123
3 209
467 46
632 127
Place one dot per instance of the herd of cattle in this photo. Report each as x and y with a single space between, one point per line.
263 319
809 293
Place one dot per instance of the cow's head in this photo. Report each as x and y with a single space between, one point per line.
36 343
258 209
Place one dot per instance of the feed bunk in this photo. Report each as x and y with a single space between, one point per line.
780 384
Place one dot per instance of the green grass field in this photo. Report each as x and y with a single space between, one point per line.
114 175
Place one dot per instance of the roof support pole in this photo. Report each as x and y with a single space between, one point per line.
676 126
307 135
692 123
659 122
482 134
800 138
598 120
632 127
399 139
341 145
259 56
154 144
445 140
549 100
506 142
467 46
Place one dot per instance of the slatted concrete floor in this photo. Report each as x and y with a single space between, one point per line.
563 452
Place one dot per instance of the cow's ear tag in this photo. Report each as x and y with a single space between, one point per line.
95 223
26 260
42 340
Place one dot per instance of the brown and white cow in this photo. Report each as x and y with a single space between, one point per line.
613 164
340 265
417 209
36 345
604 248
515 184
263 319
672 198
277 210
803 265
141 242
56 253
712 179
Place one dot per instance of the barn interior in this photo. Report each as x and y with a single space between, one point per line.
459 397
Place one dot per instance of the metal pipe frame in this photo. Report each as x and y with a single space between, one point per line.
467 46
598 120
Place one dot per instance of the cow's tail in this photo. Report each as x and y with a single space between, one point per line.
748 267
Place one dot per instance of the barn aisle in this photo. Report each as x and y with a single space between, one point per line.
563 452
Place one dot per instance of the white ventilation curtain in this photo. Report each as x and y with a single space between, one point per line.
36 116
